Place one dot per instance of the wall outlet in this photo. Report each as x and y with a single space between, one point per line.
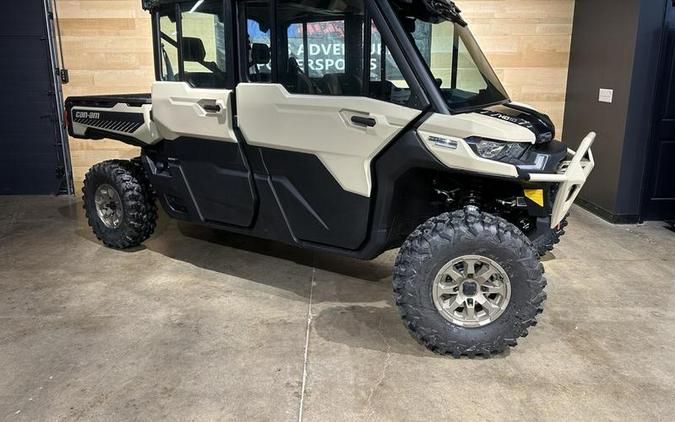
606 96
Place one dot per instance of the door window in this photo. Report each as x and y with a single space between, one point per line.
255 61
259 56
192 44
386 82
326 44
323 51
203 35
296 44
168 45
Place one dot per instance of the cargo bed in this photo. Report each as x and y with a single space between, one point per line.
125 117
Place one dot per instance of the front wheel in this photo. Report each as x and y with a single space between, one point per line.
468 283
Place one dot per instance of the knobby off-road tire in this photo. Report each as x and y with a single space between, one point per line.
448 237
547 242
119 183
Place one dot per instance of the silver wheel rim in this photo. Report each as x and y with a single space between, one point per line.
471 291
108 206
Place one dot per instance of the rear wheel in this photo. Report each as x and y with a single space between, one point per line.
468 283
119 203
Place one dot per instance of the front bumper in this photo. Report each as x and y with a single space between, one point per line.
571 177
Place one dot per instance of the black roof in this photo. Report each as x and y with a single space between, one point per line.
154 4
149 4
429 10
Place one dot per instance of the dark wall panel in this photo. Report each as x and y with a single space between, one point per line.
615 45
601 57
29 136
642 110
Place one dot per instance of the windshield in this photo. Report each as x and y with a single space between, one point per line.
462 72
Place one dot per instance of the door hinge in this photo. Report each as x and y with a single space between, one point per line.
63 74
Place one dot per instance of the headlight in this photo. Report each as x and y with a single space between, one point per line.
496 150
490 149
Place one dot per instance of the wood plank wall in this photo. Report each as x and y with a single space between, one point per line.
528 44
107 47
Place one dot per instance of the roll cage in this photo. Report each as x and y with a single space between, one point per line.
425 94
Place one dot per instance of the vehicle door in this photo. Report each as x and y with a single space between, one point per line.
332 104
192 108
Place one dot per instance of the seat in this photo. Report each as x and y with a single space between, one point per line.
350 84
331 84
297 81
341 84
194 51
259 56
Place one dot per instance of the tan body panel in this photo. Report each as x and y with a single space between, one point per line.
178 110
269 116
474 124
461 157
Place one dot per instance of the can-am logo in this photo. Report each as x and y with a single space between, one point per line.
507 118
515 120
87 115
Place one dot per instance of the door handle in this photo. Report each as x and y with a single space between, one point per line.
213 108
363 121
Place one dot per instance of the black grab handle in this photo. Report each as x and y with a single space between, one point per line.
365 121
214 108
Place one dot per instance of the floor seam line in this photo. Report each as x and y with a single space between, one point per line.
306 353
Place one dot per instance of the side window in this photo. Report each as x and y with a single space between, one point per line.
326 44
320 54
202 48
259 55
442 57
255 60
168 44
296 44
203 43
386 80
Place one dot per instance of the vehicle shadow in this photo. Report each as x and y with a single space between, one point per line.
75 213
266 262
246 257
372 327
351 299
375 270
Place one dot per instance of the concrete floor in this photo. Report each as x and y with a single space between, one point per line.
200 325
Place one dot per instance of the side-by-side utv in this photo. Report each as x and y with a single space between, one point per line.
349 126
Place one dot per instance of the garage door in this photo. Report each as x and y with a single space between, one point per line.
31 149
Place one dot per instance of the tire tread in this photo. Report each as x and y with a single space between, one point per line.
137 196
444 228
